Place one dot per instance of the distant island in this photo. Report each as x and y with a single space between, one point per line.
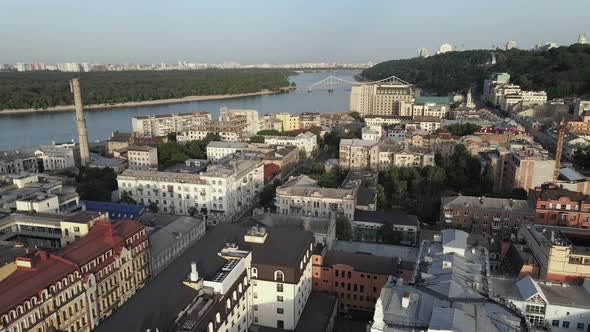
50 91
561 71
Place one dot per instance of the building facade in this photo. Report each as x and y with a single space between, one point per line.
142 157
560 207
290 122
219 150
382 99
164 124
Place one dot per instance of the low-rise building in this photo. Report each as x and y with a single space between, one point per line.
383 120
118 141
17 162
218 150
305 141
323 229
301 196
367 225
309 120
491 217
55 157
547 305
142 157
372 133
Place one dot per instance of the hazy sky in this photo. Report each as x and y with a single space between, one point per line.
273 31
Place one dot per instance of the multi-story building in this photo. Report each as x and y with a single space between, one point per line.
164 124
306 141
582 126
55 157
385 120
301 196
253 122
221 193
230 131
424 123
367 225
45 230
335 119
487 216
443 143
581 106
382 99
217 150
430 106
76 288
555 205
354 278
490 83
290 122
17 162
308 120
372 133
142 157
358 154
450 293
547 305
561 253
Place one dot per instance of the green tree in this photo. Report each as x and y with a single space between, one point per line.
462 129
357 116
126 198
171 137
268 132
582 156
267 196
95 184
302 155
343 228
389 235
256 139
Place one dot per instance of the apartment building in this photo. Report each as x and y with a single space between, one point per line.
164 124
561 253
555 205
74 289
55 157
382 99
306 141
403 155
232 130
430 106
270 122
582 126
253 122
142 157
490 217
290 122
219 150
301 196
358 154
355 278
308 120
424 123
219 194
372 133
490 83
384 120
444 143
17 162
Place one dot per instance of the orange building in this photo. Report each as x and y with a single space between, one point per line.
355 279
557 206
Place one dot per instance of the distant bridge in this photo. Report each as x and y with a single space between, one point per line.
332 82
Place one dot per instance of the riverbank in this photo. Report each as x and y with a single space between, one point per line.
188 99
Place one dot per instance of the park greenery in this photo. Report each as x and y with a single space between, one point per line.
268 132
95 184
462 129
562 71
330 144
582 157
317 171
172 153
343 228
43 89
267 196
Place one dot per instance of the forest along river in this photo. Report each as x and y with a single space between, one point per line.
28 130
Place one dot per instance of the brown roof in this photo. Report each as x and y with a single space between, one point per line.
366 263
552 192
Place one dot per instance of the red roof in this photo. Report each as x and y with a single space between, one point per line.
25 283
269 171
47 269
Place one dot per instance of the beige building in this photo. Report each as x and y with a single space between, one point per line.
164 124
142 157
290 122
308 120
358 154
382 99
217 150
253 122
301 196
231 131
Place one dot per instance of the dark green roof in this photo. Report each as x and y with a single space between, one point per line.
430 100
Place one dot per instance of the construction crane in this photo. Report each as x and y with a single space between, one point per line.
559 149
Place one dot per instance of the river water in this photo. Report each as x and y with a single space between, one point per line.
27 130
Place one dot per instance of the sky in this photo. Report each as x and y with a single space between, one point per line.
274 31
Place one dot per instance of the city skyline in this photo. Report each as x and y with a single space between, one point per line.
271 32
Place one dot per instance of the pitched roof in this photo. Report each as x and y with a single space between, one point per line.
528 288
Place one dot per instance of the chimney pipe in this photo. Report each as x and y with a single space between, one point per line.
81 124
194 276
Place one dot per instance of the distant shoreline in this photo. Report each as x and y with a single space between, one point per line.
188 99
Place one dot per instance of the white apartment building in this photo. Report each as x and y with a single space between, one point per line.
220 194
381 120
142 157
55 157
164 124
372 133
301 196
425 123
253 122
546 305
193 135
217 150
305 141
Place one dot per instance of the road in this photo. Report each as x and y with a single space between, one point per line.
159 302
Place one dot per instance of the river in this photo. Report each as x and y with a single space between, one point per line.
28 130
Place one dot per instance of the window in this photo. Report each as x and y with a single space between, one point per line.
336 272
254 272
280 288
279 298
280 311
565 324
535 309
279 276
255 307
280 324
349 275
580 326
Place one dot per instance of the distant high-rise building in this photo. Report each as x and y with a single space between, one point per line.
510 45
422 52
582 39
444 48
86 67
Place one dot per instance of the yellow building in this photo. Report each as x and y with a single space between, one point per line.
290 122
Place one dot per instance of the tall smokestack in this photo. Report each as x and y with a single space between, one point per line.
81 124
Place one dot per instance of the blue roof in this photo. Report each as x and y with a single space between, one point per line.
115 210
